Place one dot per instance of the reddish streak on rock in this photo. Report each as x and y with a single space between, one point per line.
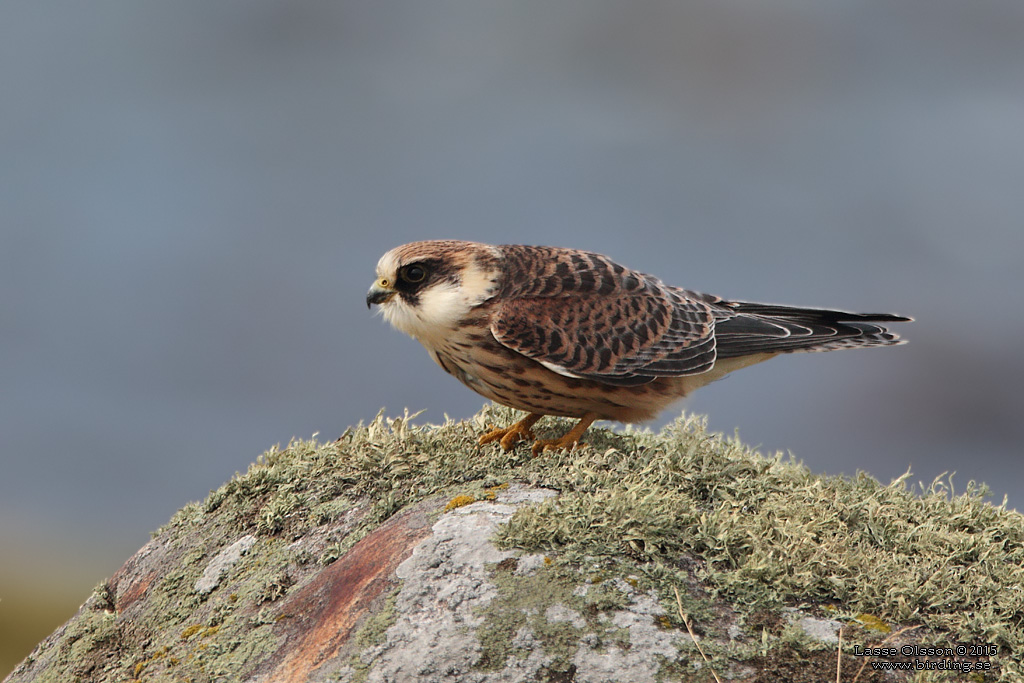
321 616
133 579
136 589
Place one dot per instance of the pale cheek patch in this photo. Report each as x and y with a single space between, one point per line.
443 305
439 309
400 316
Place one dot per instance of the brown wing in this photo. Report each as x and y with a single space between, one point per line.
583 315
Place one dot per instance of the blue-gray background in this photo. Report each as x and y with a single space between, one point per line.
194 196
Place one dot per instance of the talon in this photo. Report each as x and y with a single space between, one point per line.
568 441
508 436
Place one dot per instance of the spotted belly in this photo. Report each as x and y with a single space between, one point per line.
511 379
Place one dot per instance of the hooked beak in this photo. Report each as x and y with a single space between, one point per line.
378 294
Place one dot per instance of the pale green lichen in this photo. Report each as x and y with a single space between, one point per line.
769 531
371 633
672 509
772 532
522 602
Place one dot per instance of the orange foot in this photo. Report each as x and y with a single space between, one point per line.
568 441
508 436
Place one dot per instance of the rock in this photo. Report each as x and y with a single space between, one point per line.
220 564
823 630
397 554
405 603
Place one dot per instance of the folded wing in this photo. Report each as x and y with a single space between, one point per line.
583 315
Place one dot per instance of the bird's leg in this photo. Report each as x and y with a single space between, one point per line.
508 436
569 440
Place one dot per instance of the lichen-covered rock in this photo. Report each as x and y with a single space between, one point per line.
402 553
427 596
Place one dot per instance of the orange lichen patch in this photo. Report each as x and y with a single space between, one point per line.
492 492
320 617
872 622
459 501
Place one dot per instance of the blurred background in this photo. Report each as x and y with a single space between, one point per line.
194 196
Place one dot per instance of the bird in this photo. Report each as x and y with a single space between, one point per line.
570 333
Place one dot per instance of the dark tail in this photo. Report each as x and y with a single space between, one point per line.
749 328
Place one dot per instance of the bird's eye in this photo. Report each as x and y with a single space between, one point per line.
413 274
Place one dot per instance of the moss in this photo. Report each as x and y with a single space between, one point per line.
87 648
521 603
191 631
680 509
275 514
371 633
373 629
275 588
766 530
773 533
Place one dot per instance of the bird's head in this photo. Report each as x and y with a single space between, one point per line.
425 288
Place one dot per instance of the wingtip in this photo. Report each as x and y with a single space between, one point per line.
883 317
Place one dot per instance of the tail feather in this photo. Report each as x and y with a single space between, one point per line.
749 328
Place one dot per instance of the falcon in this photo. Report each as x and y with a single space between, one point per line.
555 331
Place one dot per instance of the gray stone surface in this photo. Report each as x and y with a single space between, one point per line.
222 562
825 630
646 643
448 579
444 583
